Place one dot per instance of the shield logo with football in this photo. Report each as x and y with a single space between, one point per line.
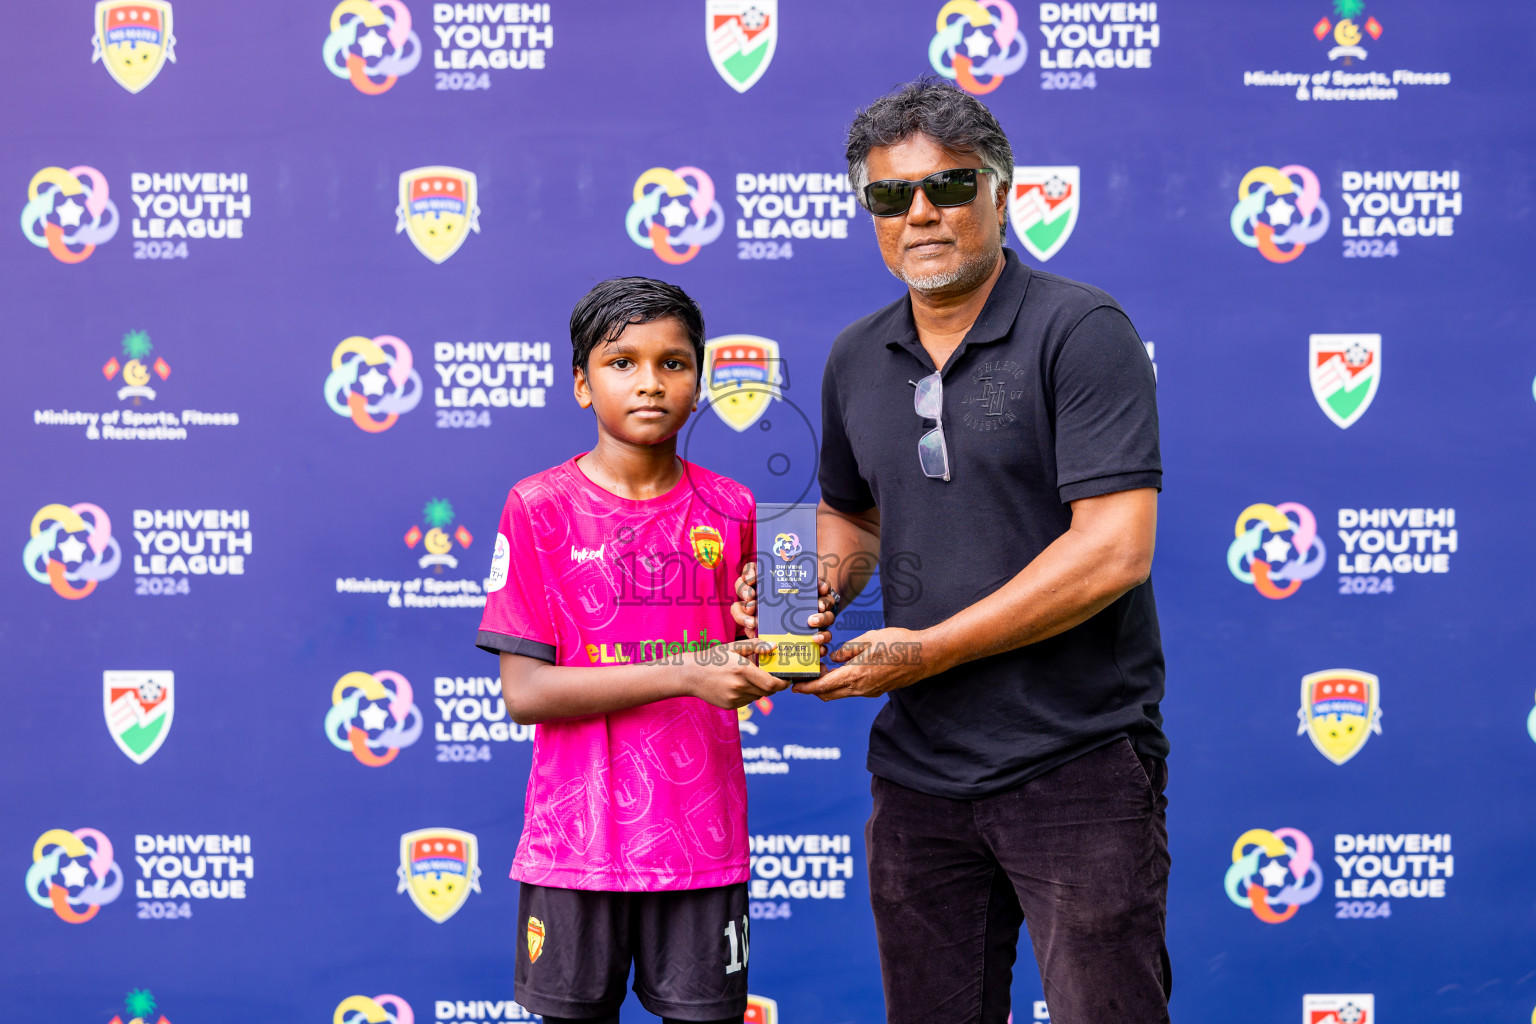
439 206
741 35
139 707
133 39
1345 370
439 867
1043 207
1340 708
1353 1008
742 374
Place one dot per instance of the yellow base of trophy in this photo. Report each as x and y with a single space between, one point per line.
793 657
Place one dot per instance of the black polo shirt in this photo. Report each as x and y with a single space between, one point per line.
1050 398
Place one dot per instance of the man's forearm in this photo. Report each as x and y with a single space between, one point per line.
849 547
1079 575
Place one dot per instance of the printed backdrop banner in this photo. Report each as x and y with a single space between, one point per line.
287 291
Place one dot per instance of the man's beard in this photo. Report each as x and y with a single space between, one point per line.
967 276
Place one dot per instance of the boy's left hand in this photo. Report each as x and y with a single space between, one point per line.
744 609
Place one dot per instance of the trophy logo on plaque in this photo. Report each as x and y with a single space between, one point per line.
787 589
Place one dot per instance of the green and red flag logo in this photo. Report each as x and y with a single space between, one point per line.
139 707
1043 207
1345 370
742 35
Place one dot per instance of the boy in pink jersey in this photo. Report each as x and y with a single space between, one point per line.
610 608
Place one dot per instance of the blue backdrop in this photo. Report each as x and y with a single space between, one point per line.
287 309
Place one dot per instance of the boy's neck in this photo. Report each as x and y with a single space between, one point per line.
634 471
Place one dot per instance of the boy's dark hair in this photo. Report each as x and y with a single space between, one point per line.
604 312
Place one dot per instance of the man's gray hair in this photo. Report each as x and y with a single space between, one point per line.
928 106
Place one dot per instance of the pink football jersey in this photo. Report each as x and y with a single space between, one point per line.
652 797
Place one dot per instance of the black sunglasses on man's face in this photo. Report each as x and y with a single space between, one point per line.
892 197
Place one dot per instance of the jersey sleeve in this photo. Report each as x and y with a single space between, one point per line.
516 618
1106 409
841 485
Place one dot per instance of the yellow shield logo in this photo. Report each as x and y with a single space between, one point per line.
535 939
133 39
439 206
707 545
439 867
742 374
1340 708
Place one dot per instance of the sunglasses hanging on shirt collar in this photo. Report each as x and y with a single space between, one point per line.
928 402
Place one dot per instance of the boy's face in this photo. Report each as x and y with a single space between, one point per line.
643 384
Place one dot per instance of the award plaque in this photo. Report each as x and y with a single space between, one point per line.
787 589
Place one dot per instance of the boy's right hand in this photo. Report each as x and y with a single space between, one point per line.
744 608
725 676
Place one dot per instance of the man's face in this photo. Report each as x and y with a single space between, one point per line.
938 250
643 384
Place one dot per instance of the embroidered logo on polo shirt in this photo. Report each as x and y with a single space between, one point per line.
996 384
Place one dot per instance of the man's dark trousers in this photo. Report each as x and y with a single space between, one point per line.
1080 853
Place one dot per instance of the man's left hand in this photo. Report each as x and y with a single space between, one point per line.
872 664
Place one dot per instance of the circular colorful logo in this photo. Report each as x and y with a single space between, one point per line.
385 1009
371 44
68 212
372 715
73 870
72 549
1276 548
674 213
1273 869
373 381
989 34
1279 208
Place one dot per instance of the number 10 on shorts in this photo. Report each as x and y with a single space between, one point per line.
738 944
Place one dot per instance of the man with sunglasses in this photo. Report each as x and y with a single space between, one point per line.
990 439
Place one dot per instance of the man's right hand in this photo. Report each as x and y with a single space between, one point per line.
725 676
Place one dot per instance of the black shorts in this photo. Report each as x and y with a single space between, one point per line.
689 948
